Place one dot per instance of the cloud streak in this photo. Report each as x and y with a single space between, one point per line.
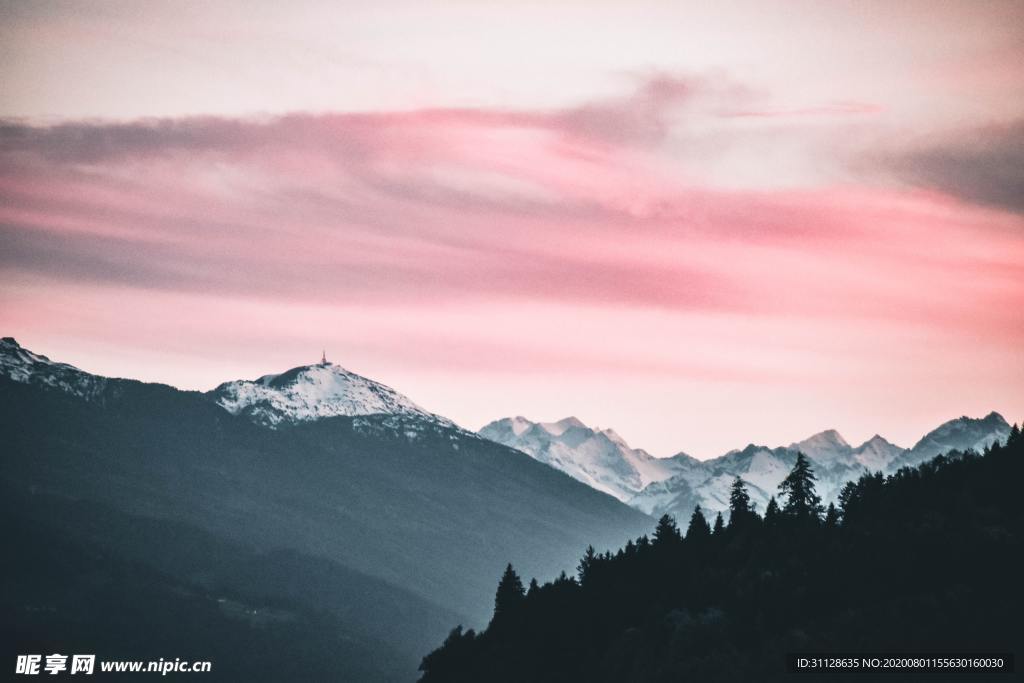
579 204
581 242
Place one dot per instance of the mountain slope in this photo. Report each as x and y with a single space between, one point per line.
599 458
21 365
402 499
962 434
924 561
87 578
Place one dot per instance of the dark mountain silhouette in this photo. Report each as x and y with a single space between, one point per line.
392 526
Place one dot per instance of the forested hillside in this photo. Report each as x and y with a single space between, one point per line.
926 559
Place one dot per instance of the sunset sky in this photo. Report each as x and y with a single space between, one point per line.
701 224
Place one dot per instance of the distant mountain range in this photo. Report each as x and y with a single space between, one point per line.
310 492
322 509
675 485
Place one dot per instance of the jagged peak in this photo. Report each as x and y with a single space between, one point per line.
877 440
830 436
993 418
15 354
565 424
22 365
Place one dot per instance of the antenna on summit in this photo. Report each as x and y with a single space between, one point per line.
323 358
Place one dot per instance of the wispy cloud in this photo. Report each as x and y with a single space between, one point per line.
588 203
588 240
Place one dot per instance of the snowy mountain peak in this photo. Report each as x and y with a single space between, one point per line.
963 433
518 424
562 426
17 362
311 392
21 365
877 453
825 446
600 458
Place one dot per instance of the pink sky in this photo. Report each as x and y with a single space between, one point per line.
702 227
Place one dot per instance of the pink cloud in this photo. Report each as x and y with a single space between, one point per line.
576 242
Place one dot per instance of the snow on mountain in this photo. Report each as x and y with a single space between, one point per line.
708 483
301 394
961 434
311 392
21 365
675 485
823 447
757 465
834 461
877 454
600 458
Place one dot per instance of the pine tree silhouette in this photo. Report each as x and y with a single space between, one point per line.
586 563
772 513
509 595
712 608
831 517
802 501
741 512
739 498
666 533
719 525
699 528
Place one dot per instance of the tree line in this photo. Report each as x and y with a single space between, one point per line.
925 559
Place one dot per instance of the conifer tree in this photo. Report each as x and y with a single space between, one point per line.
666 533
739 498
509 595
802 501
699 527
848 496
831 517
771 513
740 509
719 525
586 564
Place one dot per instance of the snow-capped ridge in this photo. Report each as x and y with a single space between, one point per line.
877 453
960 434
823 447
600 458
25 367
311 392
562 426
